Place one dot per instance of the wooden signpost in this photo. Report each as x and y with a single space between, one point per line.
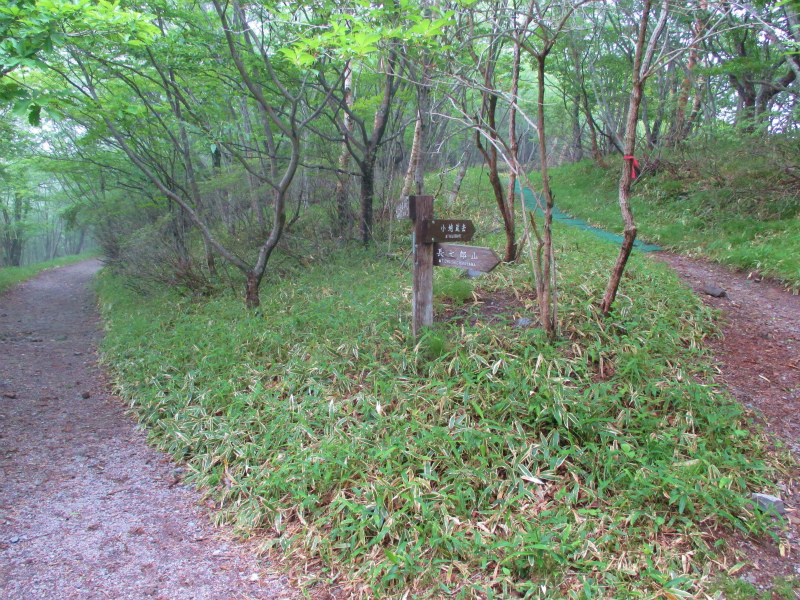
420 209
431 251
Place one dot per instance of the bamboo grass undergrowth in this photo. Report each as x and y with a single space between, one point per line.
499 465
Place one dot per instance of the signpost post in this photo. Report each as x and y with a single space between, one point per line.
420 209
431 250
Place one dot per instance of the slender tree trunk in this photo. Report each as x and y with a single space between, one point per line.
251 296
629 235
252 182
413 159
81 239
596 153
582 103
367 163
343 219
56 243
424 103
640 73
577 130
190 176
681 125
490 156
545 288
511 253
462 172
367 198
13 240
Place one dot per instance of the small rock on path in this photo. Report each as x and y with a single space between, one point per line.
87 509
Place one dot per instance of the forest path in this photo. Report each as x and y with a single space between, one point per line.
758 359
759 353
87 509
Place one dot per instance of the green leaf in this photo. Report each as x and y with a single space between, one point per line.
392 557
34 115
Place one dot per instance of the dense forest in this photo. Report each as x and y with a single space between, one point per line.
193 139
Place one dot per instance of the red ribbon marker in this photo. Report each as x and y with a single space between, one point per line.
636 169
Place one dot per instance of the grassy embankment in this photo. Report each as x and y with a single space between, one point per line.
722 202
10 276
482 462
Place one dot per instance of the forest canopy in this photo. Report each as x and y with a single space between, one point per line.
183 136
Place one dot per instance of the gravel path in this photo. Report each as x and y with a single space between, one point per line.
87 509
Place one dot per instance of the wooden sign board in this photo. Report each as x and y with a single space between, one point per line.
447 230
465 257
428 253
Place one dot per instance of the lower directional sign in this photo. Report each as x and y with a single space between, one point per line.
465 257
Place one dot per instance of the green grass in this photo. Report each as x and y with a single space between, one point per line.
451 286
483 462
732 211
11 276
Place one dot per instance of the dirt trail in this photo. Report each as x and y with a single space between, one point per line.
87 509
758 358
759 355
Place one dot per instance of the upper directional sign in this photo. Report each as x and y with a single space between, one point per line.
447 230
465 257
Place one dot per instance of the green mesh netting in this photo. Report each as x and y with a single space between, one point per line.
529 198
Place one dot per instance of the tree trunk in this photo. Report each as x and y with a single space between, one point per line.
424 96
371 145
186 151
413 159
462 172
252 183
252 283
679 125
77 247
367 198
545 290
490 156
13 241
596 154
511 253
211 263
577 131
343 217
640 74
746 110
